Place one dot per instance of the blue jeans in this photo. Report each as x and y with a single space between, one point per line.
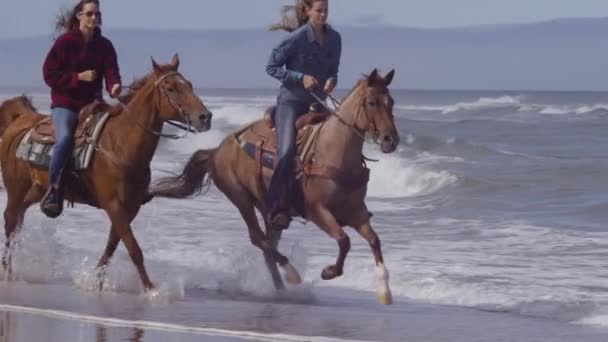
65 122
285 123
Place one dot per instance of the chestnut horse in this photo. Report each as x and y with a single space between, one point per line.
118 176
331 200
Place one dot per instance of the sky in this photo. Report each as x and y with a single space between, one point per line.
20 18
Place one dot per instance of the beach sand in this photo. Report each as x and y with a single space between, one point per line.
47 312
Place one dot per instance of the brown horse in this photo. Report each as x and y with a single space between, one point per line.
118 177
333 186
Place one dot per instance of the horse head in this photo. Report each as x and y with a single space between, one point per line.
376 105
178 100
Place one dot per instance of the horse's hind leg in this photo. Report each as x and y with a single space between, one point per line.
14 214
13 218
326 221
367 232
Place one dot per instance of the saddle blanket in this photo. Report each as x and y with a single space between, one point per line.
40 154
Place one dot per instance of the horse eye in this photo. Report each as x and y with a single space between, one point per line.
372 103
171 90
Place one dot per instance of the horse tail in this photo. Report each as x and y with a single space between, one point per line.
191 181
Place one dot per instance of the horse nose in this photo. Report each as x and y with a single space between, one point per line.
205 117
391 139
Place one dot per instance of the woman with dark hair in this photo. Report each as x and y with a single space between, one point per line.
305 61
74 67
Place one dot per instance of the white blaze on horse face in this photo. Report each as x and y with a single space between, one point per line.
386 100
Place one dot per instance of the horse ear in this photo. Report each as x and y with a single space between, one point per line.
157 69
373 77
175 61
389 77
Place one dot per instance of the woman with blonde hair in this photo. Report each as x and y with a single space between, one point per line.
305 61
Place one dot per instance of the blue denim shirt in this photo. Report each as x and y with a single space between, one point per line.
299 54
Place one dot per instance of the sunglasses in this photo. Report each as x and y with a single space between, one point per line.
89 14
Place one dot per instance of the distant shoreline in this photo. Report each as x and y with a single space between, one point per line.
29 89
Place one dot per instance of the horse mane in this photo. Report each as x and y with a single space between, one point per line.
360 82
355 87
352 90
139 83
136 85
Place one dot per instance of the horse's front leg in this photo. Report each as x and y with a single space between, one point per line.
121 222
328 223
367 232
102 264
273 236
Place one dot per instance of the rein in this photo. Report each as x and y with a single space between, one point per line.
173 104
186 128
337 103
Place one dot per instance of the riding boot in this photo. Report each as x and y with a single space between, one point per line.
279 218
52 202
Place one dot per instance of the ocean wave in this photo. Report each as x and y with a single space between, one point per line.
481 103
515 102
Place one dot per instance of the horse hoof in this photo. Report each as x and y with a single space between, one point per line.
292 275
330 272
152 293
385 298
101 277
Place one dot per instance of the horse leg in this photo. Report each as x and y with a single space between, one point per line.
328 223
13 217
121 222
111 245
383 291
244 203
13 220
274 236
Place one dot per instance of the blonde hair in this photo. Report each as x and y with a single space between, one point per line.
68 18
294 16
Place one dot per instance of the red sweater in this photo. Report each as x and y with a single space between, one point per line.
69 56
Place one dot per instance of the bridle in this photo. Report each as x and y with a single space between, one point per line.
351 126
173 103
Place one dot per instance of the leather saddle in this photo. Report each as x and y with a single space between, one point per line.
263 133
44 131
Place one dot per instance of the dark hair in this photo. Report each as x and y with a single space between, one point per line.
68 18
294 16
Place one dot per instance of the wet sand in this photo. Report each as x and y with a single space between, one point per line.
57 312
